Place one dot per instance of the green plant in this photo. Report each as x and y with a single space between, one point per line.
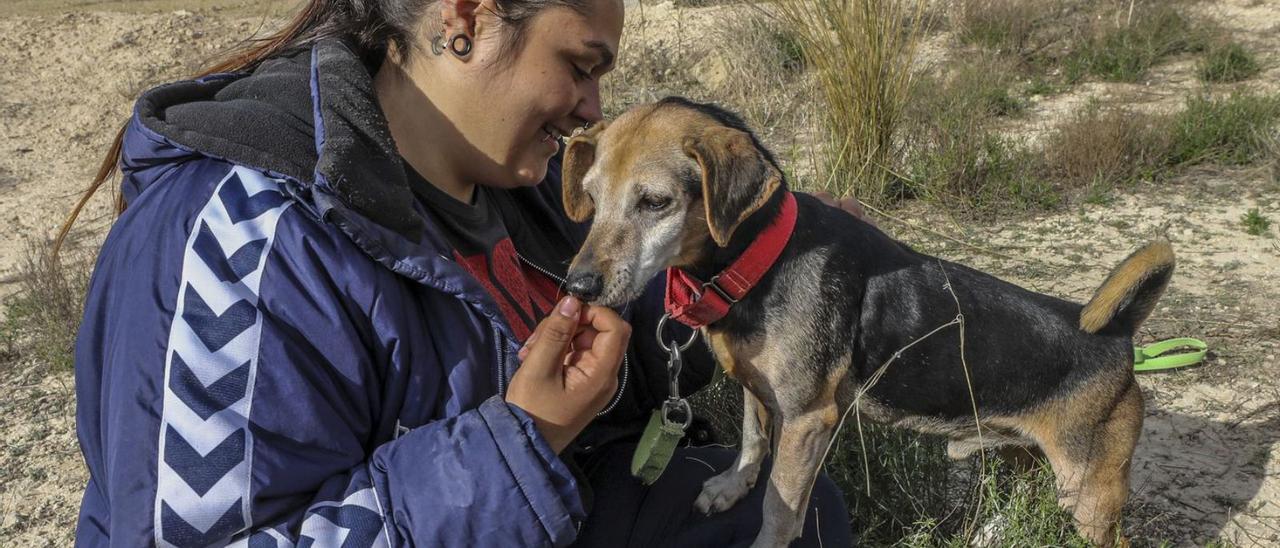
1229 130
860 53
955 156
1122 51
1040 86
1255 223
1228 62
1099 194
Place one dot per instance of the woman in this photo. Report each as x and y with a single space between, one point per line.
329 314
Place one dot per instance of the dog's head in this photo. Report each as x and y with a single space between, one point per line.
662 181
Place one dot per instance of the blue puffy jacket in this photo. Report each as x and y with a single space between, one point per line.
278 350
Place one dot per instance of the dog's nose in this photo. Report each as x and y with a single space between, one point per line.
585 285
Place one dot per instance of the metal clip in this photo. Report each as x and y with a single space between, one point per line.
674 364
679 405
714 285
674 404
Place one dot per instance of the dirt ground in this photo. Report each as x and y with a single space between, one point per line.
1207 467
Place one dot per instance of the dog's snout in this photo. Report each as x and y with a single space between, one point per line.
585 285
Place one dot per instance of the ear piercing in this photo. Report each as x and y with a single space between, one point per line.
459 45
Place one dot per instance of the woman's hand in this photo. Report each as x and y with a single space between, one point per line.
850 205
569 369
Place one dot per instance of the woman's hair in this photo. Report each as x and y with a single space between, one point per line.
372 24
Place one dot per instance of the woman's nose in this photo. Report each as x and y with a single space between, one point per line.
589 108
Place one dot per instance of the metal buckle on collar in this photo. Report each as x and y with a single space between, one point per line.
714 286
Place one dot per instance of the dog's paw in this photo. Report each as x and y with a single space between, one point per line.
723 491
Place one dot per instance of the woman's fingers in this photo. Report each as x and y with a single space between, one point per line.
544 353
585 339
610 343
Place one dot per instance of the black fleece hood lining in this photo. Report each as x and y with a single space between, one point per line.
268 120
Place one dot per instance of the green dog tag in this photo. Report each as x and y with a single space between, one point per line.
656 446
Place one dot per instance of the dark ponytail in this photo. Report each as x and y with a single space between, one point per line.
373 24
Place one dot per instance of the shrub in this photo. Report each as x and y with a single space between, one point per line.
1228 62
1124 51
1228 130
1103 147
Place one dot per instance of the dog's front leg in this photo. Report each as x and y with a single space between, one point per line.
801 445
722 491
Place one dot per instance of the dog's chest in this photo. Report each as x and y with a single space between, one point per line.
741 361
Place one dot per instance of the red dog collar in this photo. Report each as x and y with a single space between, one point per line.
695 304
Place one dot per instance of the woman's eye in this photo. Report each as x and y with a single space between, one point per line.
581 74
655 203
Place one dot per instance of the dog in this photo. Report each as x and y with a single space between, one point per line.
687 186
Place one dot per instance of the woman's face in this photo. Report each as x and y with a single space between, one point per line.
511 107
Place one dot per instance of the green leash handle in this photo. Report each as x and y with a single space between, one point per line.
1155 356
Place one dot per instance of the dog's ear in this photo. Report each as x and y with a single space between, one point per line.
736 178
579 154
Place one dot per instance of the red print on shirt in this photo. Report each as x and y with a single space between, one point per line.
523 295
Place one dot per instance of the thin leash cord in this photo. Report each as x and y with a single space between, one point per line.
973 400
879 373
871 382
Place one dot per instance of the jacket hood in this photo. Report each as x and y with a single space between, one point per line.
310 116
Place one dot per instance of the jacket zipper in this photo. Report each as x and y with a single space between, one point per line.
622 385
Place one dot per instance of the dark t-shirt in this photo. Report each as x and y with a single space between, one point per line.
481 235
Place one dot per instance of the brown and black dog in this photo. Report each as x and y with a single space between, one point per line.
683 184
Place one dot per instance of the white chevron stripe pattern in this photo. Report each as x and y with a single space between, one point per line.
205 451
356 521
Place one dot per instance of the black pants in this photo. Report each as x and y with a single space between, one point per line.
627 513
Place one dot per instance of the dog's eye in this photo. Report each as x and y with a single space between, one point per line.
654 203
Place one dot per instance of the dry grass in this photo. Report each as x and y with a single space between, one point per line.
42 318
759 73
1005 26
1106 146
861 53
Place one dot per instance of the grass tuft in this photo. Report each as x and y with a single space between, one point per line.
1228 130
41 319
1229 62
1255 223
1004 26
1123 50
860 53
956 157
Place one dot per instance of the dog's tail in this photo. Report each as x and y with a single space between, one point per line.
1129 294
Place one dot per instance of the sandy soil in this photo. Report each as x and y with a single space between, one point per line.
1207 467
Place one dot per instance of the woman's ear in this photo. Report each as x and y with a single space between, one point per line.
579 154
459 16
